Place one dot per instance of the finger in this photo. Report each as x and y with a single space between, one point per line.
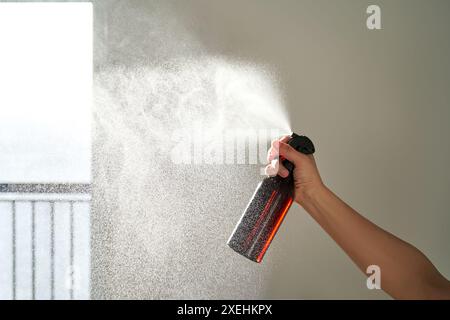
274 146
273 167
272 154
276 167
282 171
276 142
285 139
289 153
270 170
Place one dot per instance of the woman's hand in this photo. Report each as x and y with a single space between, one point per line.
306 175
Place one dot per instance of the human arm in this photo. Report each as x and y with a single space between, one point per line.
406 273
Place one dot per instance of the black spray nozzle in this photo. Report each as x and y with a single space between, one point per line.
300 143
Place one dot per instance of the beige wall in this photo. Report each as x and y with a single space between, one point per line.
376 104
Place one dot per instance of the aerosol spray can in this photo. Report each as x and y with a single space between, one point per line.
267 208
